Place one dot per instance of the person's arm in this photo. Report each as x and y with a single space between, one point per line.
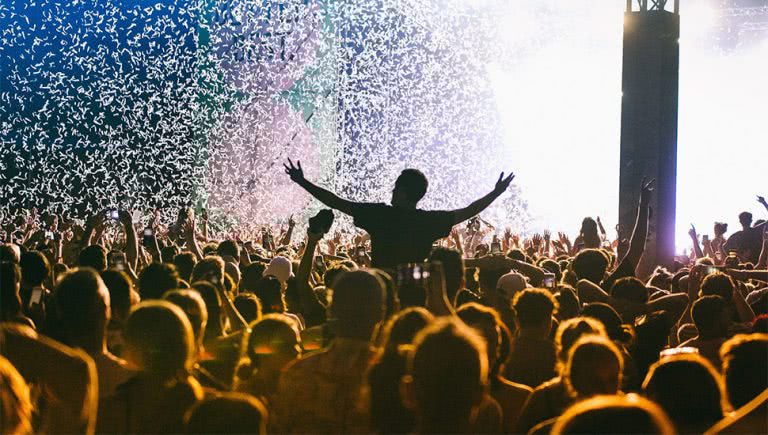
601 228
287 236
535 274
762 262
437 299
640 232
131 242
311 308
191 239
695 238
481 204
762 201
328 198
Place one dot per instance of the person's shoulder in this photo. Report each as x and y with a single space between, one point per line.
552 384
307 362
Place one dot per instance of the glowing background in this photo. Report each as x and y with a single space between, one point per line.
461 89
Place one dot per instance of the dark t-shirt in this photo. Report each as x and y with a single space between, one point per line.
747 243
401 235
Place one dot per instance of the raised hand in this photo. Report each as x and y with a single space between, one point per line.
761 200
645 191
548 236
536 240
295 172
564 238
503 183
291 222
692 232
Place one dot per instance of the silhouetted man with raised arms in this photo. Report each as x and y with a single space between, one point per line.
400 233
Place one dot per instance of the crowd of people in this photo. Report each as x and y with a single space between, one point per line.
419 322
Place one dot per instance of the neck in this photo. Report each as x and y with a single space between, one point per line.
533 332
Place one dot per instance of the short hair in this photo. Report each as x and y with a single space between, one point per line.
234 413
93 256
401 329
590 264
745 358
413 183
156 279
185 263
272 334
248 305
453 269
82 303
449 368
745 218
229 247
534 307
721 228
159 336
193 306
571 330
687 387
34 268
630 289
611 320
269 291
211 269
168 253
10 277
250 275
121 291
718 284
10 252
586 355
358 302
707 312
568 302
486 321
16 409
333 271
610 414
213 305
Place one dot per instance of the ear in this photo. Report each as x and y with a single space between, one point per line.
407 394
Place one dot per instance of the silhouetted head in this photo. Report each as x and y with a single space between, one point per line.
745 219
590 264
410 187
612 414
358 304
688 388
710 316
720 228
94 256
594 367
745 358
83 307
233 413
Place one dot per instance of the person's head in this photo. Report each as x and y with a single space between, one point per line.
486 321
273 343
511 283
213 305
534 309
652 332
34 269
661 278
745 219
358 304
590 264
168 253
571 330
10 280
453 269
156 279
10 252
718 284
193 306
447 376
589 233
185 263
250 275
594 367
402 328
281 268
611 414
16 409
248 305
229 248
630 289
710 315
745 358
688 388
158 340
410 187
94 256
234 413
333 271
720 228
269 292
568 302
210 269
83 308
121 294
611 320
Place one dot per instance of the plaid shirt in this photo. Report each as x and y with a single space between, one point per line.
325 392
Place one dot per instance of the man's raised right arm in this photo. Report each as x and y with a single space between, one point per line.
327 197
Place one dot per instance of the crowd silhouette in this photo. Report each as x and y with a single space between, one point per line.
416 322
